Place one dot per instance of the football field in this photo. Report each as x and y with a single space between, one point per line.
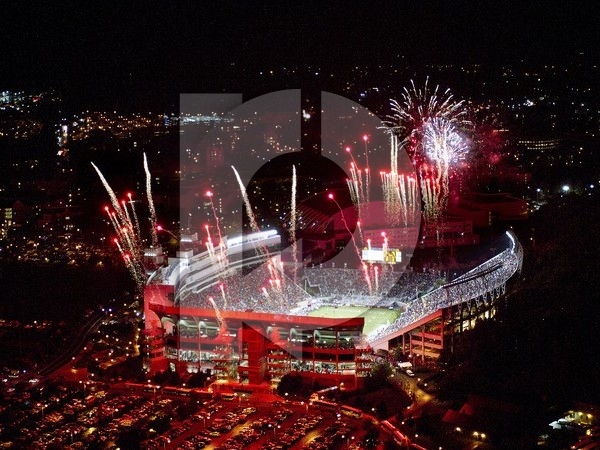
373 316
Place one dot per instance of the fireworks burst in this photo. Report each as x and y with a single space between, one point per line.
443 146
426 124
417 107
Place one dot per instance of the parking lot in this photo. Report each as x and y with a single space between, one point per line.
239 425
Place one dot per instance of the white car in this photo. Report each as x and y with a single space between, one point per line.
410 373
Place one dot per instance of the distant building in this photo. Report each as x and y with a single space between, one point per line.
215 156
60 216
12 214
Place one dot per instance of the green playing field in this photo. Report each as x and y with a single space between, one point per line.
373 316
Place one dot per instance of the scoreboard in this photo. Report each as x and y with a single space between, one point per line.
387 256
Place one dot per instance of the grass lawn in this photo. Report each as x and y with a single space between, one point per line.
373 316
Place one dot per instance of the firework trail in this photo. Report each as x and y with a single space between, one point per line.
429 209
220 260
367 185
150 203
368 278
113 221
116 241
394 190
354 184
136 222
253 224
368 180
127 259
222 243
222 326
129 232
249 212
360 233
293 220
346 225
111 194
353 187
127 227
358 185
222 288
126 211
251 218
361 186
209 194
403 198
129 241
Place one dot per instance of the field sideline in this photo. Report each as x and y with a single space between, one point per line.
373 316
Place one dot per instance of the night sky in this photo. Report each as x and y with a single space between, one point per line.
128 49
122 55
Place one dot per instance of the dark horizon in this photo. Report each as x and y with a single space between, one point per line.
126 52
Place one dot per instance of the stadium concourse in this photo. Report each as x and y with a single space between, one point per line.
236 311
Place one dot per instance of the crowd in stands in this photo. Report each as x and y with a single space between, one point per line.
264 290
261 290
487 280
344 283
411 284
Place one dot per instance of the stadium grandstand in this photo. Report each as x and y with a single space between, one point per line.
233 309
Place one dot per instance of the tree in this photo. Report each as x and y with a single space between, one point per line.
397 353
379 376
197 380
289 383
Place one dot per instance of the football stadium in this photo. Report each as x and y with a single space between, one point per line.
238 310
